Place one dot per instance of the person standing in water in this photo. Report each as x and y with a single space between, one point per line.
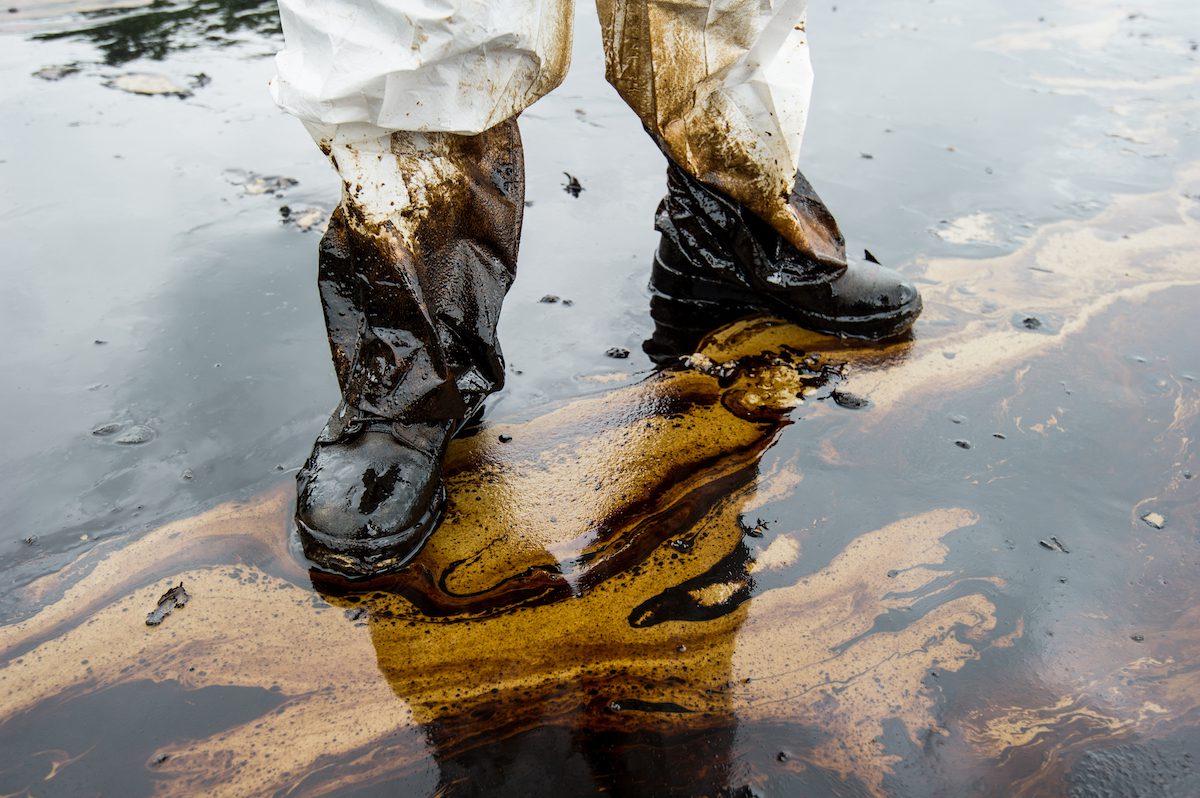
415 103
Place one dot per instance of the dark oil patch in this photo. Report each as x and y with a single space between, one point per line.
105 742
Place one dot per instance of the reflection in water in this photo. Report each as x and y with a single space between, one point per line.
599 662
162 28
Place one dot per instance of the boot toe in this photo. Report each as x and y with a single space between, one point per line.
866 301
367 505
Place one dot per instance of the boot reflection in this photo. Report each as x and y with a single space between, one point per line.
571 625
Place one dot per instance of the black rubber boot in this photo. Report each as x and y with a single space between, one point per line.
717 261
412 327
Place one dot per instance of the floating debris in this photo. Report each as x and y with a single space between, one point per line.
1054 544
148 84
1155 520
870 258
573 186
1137 638
963 444
849 400
305 219
756 531
174 598
58 71
504 438
1033 322
548 299
617 352
106 429
253 183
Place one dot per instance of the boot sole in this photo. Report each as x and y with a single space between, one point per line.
373 557
719 298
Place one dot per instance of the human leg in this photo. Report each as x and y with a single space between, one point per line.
723 87
420 251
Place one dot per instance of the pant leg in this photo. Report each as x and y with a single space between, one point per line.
448 66
414 269
724 88
415 104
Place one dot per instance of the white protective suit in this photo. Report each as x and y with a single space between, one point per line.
722 85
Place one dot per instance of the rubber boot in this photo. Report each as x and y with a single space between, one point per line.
717 261
413 270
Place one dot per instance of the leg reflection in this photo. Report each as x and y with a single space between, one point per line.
571 627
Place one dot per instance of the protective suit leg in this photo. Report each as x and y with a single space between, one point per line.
412 272
415 103
723 86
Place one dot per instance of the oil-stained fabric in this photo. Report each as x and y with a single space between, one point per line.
452 66
724 88
722 85
415 265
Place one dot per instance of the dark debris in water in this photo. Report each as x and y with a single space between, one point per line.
849 400
176 597
963 444
618 352
1035 322
756 531
573 186
1054 544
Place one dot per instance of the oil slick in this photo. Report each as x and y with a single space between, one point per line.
668 611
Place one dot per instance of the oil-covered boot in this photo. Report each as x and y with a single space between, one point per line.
413 270
718 261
